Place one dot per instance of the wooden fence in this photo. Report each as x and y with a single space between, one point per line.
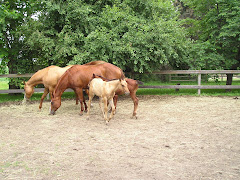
170 72
199 74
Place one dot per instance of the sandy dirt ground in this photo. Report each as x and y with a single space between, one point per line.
173 138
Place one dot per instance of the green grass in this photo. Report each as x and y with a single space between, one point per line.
189 92
3 83
192 92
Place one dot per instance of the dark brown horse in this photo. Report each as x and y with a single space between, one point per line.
78 77
132 87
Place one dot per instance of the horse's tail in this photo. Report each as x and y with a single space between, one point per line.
139 82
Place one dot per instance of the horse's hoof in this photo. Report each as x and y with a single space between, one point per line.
134 117
80 114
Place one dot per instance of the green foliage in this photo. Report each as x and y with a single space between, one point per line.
216 24
135 35
13 16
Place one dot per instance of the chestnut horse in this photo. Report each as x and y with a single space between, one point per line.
48 76
77 77
105 90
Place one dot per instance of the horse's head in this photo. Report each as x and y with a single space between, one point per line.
124 86
55 104
29 90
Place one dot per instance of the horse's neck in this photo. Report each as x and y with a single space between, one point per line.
62 85
113 85
36 79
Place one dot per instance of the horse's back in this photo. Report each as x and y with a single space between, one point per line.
96 86
80 75
53 75
106 70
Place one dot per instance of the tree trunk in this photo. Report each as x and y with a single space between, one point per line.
229 81
12 70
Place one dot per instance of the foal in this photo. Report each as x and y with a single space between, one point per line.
105 91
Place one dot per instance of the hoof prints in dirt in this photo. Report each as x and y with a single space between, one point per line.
173 138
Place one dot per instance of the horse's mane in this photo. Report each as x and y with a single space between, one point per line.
95 62
60 81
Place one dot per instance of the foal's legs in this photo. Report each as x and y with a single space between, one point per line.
100 105
46 91
105 109
89 104
113 109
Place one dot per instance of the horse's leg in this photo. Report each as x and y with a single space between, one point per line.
135 102
100 105
89 105
87 92
76 97
46 91
105 109
85 104
113 109
83 101
115 99
79 92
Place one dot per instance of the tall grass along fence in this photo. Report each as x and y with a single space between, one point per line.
199 74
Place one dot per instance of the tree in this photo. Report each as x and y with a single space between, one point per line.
13 15
216 24
136 35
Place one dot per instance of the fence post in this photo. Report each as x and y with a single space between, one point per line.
199 83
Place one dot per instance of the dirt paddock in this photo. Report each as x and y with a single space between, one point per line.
173 138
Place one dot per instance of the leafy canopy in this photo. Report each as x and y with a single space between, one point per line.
136 35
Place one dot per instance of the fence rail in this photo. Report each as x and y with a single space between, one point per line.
198 87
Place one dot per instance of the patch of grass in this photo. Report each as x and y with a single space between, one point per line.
35 97
189 92
192 92
3 83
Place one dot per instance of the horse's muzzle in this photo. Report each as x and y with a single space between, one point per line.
52 112
127 93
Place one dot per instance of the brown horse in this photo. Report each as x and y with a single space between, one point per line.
78 77
48 76
105 90
133 87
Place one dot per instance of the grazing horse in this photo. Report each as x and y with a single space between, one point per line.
48 76
105 90
78 77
